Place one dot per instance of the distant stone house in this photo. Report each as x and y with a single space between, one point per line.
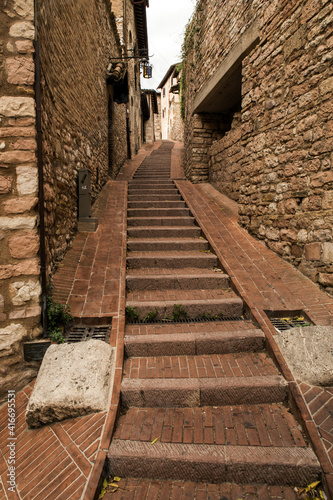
151 116
70 99
258 120
171 122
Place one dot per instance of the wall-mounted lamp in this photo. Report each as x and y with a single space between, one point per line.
147 70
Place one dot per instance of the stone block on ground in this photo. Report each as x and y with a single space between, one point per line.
308 353
74 380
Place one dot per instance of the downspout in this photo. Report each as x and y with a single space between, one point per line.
39 138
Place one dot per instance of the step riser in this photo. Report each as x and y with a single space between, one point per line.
156 204
158 212
183 393
153 199
141 221
167 246
151 176
172 263
198 463
152 190
186 232
177 282
227 307
181 344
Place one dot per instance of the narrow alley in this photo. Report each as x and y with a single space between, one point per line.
203 403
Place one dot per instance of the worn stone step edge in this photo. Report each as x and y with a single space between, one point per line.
161 221
194 343
172 261
232 307
158 212
141 245
156 204
214 463
169 231
181 393
177 282
132 198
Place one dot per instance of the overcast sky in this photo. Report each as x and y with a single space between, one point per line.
166 24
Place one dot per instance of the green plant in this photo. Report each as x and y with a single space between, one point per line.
131 314
58 316
151 315
178 312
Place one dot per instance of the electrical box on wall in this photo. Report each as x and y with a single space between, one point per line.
86 221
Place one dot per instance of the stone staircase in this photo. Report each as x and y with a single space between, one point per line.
203 405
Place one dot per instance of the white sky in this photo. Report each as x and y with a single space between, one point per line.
166 21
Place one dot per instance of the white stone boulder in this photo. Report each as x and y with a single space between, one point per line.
308 352
74 380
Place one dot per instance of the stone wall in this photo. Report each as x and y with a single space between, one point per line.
19 240
77 38
275 158
134 105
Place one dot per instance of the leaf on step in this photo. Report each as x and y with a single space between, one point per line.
217 270
103 491
116 478
155 440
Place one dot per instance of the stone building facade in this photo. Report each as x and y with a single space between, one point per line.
171 123
151 116
88 119
258 120
19 239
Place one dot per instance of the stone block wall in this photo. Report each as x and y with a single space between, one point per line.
77 40
276 160
19 240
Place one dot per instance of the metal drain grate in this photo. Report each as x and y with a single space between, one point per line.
84 333
186 320
282 324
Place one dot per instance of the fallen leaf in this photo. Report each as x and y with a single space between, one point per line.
155 440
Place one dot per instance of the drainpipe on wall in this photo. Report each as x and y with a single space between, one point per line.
40 178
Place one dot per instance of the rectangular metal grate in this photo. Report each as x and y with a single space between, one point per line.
83 333
186 320
283 324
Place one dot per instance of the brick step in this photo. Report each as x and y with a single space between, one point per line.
151 176
153 198
149 393
194 343
179 280
158 212
168 244
239 365
156 204
164 232
266 425
157 172
171 260
154 191
168 304
189 327
161 221
163 183
242 464
151 489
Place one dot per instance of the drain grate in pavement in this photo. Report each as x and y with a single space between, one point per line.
186 320
83 333
282 324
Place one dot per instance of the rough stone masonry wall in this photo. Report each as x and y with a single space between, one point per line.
77 38
19 240
277 158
